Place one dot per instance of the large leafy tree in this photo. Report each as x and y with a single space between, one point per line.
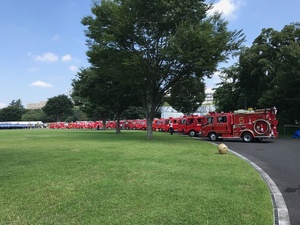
59 107
77 115
104 89
160 42
267 75
258 66
88 102
227 96
133 112
34 115
284 88
17 103
13 112
187 95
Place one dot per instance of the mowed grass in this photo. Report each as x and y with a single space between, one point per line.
98 177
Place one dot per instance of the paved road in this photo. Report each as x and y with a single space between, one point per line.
280 159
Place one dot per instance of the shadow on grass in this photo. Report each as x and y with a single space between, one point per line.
111 135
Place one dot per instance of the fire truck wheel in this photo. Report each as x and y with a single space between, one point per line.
192 133
258 139
247 137
212 136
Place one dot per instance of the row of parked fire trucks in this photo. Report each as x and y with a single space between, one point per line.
248 125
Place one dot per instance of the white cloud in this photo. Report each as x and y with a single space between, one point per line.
73 68
41 84
46 57
66 58
226 7
210 83
2 105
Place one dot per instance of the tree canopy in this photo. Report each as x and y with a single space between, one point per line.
157 44
34 115
102 90
17 103
187 95
13 112
268 74
58 107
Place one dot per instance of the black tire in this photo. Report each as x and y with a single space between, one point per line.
212 136
258 139
192 133
247 137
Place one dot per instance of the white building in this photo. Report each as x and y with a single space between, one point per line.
38 105
206 107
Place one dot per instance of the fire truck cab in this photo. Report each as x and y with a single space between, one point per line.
167 122
192 125
249 125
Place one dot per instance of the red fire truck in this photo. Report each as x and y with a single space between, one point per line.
140 125
192 125
167 122
127 124
181 124
249 125
157 124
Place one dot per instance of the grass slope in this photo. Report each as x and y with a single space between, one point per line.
98 177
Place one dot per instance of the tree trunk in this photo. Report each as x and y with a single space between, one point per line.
58 118
104 123
149 129
149 119
150 113
118 130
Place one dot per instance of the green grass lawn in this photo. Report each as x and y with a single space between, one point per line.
98 177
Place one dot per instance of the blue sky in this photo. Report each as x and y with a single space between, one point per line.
43 44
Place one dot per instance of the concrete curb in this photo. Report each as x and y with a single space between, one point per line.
281 214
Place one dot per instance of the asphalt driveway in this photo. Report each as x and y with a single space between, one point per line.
280 159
